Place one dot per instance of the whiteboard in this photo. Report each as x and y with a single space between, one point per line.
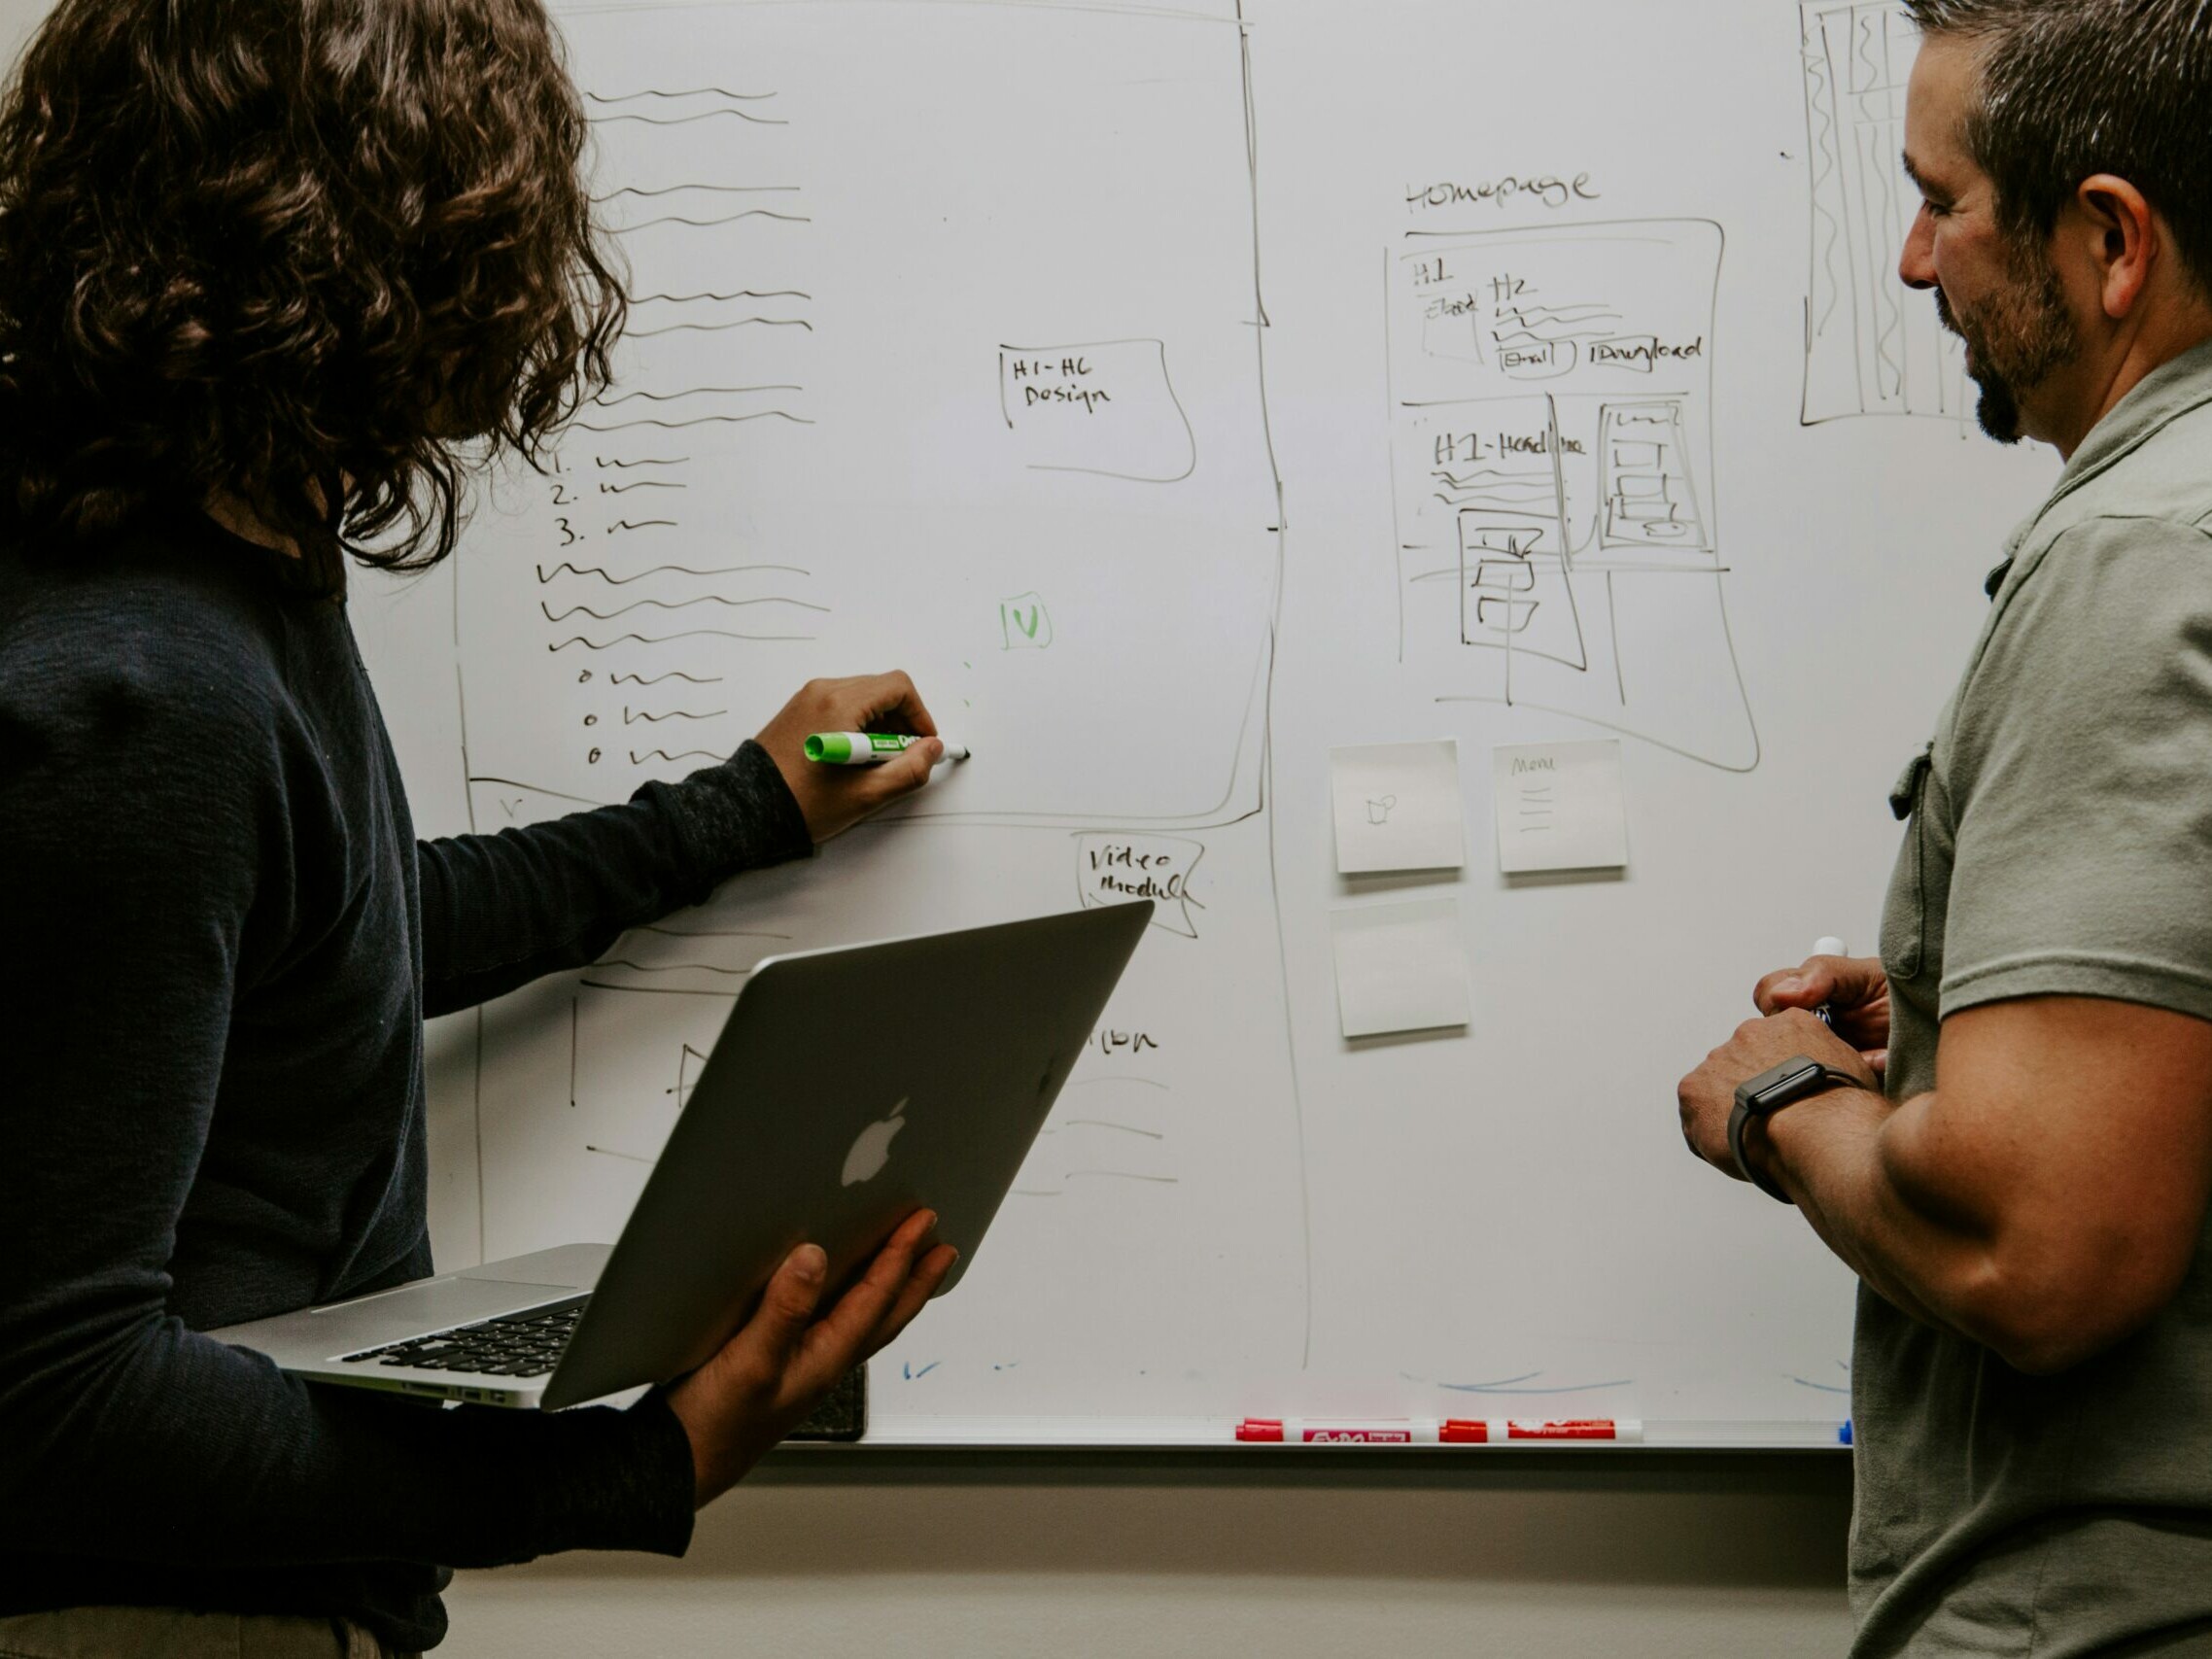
1179 393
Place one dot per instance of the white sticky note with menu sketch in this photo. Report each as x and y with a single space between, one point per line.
1400 967
1560 807
1397 807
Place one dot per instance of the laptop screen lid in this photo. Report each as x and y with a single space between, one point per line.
849 1087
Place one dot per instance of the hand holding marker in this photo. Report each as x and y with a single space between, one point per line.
869 749
1828 945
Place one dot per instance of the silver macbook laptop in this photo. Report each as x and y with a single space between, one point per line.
849 1089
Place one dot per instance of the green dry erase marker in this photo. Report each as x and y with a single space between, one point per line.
869 749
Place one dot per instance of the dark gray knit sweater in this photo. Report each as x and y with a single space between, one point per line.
220 937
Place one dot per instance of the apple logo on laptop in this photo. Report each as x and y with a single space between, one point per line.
871 1148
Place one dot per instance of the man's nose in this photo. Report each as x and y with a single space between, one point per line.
1916 265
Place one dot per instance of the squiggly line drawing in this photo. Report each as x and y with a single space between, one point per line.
1528 316
1472 480
686 120
690 391
1889 315
722 327
636 759
672 605
717 190
656 679
726 219
698 421
630 716
590 645
545 576
1863 43
1509 336
1820 101
680 93
734 293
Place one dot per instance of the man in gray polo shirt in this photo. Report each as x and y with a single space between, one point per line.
2025 1201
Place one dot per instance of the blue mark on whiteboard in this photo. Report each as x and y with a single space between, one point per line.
908 1371
1842 1366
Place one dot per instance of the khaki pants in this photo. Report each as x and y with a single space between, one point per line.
171 1633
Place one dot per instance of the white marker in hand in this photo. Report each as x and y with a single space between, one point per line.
1828 945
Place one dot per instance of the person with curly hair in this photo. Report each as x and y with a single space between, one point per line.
276 278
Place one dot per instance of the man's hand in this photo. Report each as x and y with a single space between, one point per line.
835 798
1706 1096
1853 988
778 1367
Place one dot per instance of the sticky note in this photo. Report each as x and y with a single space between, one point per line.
1400 967
1560 807
1397 807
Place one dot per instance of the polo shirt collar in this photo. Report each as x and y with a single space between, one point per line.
2161 396
2167 393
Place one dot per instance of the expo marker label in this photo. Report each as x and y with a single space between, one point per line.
1315 1431
868 749
1455 1431
1475 1431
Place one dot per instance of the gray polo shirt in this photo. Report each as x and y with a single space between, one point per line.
2059 842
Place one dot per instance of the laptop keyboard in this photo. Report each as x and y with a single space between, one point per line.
525 1344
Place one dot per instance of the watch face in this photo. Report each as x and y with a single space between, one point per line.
1782 1085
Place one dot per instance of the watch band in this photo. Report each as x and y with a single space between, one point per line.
1761 1096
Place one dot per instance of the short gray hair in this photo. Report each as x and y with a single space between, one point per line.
2069 89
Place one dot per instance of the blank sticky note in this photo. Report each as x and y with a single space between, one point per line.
1560 807
1400 967
1397 807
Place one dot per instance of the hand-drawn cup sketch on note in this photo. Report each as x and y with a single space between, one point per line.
1397 807
1872 346
1559 548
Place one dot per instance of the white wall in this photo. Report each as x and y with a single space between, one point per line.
824 1553
1655 1557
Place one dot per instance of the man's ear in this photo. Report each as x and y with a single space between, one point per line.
2122 237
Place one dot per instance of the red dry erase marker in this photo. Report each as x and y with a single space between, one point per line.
1324 1431
1473 1431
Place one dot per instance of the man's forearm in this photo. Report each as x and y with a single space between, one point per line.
1845 1157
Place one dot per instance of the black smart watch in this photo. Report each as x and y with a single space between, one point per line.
1769 1092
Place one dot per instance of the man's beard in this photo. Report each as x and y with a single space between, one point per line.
2018 339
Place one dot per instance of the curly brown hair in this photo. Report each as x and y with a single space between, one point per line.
324 255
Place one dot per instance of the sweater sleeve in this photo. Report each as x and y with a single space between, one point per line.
499 911
145 844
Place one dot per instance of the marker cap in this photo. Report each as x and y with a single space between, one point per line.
834 748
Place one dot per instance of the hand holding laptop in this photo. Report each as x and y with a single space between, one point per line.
777 1368
835 798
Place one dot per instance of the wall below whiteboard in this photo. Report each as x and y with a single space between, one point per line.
926 1556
